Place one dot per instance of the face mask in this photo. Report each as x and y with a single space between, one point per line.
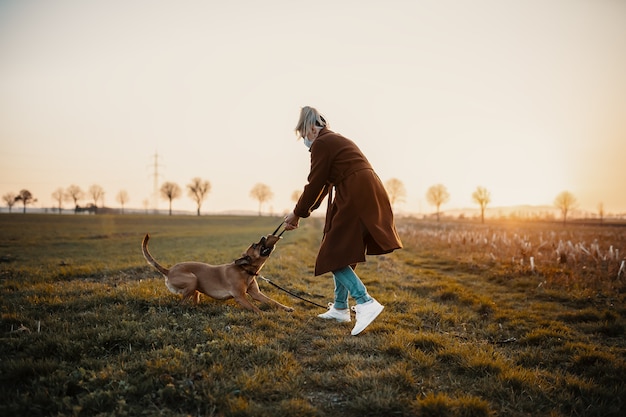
307 142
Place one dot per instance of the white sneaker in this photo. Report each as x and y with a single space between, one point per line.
365 314
342 316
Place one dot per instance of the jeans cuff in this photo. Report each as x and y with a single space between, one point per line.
364 299
340 305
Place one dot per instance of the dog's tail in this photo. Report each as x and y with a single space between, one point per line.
150 259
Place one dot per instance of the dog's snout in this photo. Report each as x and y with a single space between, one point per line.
265 245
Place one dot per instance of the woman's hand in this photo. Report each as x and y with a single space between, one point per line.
291 221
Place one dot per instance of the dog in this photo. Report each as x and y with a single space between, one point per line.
221 282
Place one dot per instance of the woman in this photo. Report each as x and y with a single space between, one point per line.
359 219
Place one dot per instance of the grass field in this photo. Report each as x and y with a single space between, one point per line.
480 320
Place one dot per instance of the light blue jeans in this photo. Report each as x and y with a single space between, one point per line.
348 282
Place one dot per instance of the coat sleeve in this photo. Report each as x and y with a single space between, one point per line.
317 186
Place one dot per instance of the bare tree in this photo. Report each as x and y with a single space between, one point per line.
565 202
96 192
437 195
59 195
9 198
199 190
396 191
601 212
295 196
122 198
170 191
74 194
482 197
26 198
261 193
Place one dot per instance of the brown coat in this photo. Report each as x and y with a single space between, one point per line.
359 220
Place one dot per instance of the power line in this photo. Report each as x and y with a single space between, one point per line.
155 185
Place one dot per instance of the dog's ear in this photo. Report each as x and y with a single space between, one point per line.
244 260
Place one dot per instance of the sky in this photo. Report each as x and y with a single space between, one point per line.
525 98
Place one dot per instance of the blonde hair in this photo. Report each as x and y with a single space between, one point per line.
309 117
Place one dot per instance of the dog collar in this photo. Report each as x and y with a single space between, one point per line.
253 274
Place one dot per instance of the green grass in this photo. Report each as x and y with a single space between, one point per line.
469 329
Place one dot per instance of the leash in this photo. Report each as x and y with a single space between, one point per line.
281 288
290 293
281 233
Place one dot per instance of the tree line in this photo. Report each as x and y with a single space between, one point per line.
198 190
438 194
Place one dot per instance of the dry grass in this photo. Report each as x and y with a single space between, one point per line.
469 328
